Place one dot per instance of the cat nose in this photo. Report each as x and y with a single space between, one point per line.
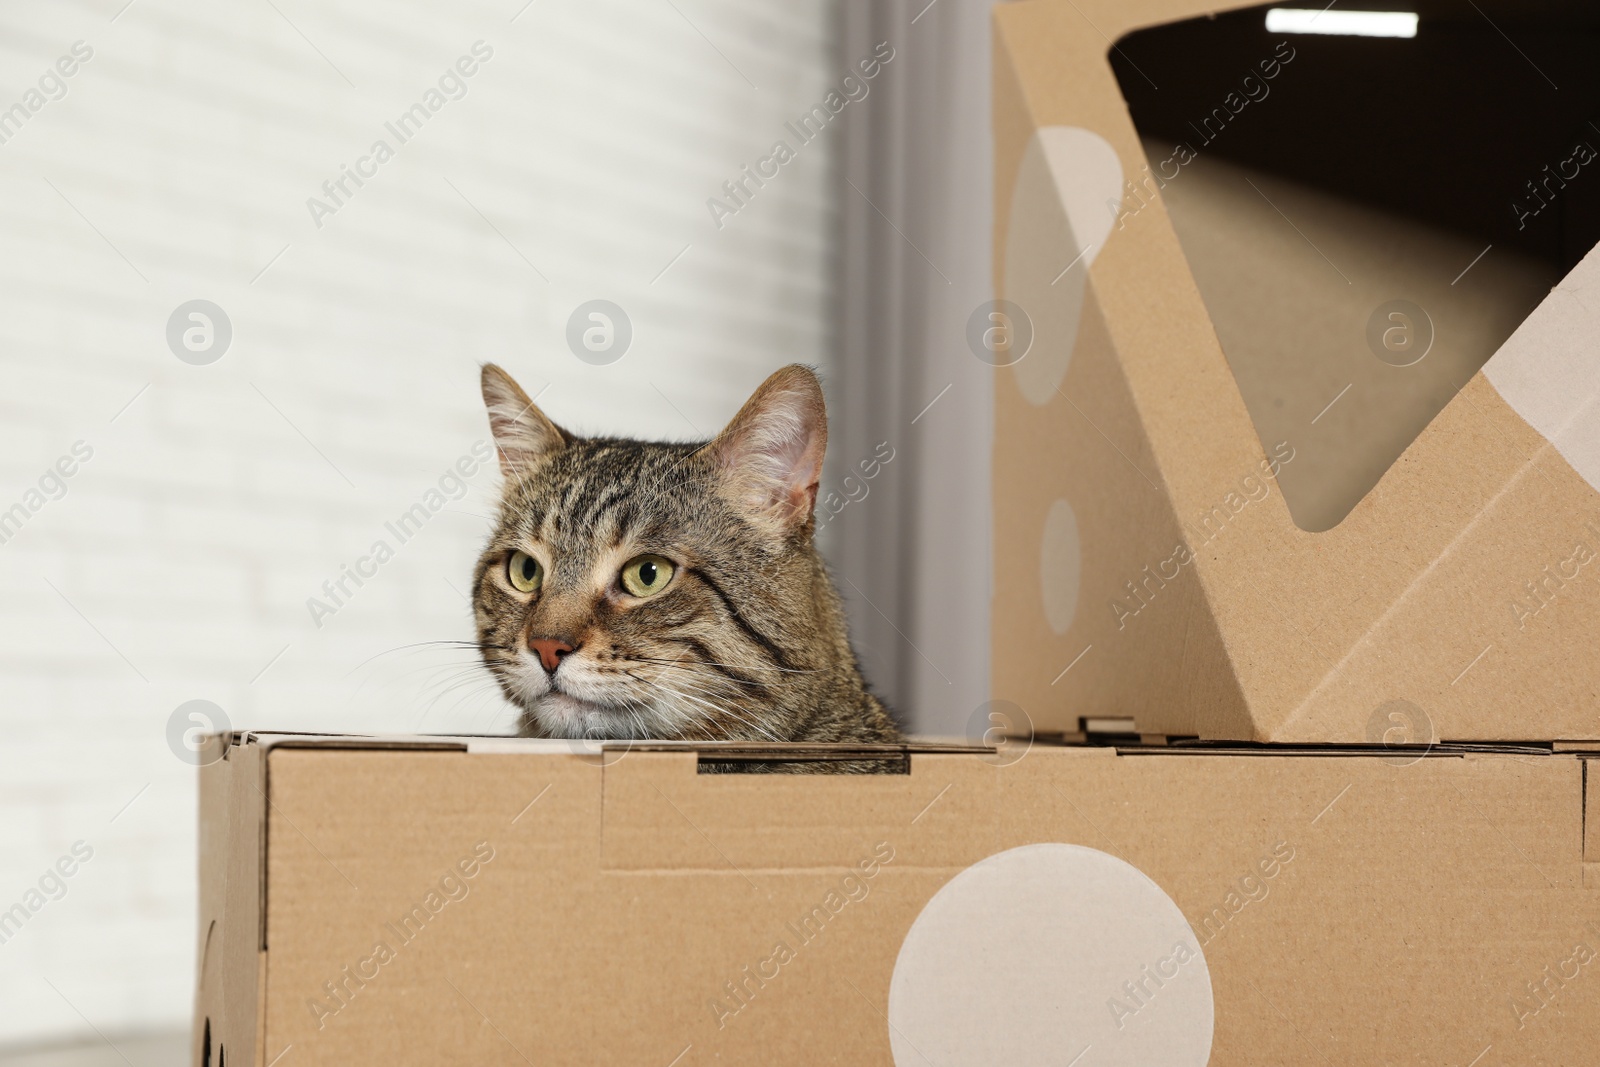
550 650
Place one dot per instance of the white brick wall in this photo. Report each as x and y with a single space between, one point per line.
191 540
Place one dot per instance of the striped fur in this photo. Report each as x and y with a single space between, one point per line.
747 642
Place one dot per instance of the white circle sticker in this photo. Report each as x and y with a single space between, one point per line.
1059 222
1051 954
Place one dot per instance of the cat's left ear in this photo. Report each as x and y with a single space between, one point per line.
771 453
522 433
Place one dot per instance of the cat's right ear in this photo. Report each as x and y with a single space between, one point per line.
522 433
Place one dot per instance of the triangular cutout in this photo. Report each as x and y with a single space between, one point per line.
1367 219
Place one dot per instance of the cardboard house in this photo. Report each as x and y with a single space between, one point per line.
1295 444
1297 437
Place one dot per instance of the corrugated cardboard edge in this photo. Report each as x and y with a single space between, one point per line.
1591 824
479 744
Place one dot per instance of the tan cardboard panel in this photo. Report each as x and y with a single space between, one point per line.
1118 518
1359 908
232 918
1198 606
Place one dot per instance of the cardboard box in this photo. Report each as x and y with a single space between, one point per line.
1297 443
481 900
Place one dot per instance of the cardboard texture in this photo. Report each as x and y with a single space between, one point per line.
1216 511
439 901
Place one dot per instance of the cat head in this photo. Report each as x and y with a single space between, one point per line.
638 589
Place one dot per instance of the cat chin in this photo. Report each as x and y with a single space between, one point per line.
564 715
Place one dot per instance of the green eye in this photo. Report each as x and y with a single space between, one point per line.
525 572
647 575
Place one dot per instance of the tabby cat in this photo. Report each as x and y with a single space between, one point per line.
642 590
